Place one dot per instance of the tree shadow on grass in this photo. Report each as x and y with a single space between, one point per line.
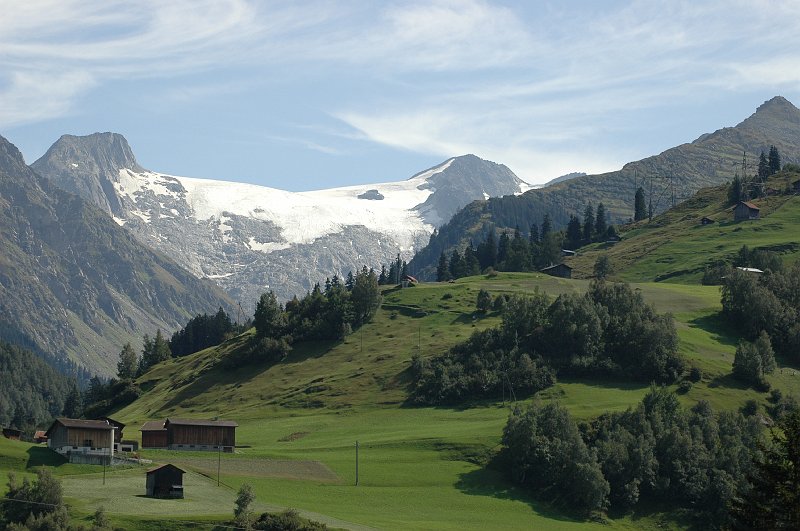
728 381
43 456
242 374
716 325
490 482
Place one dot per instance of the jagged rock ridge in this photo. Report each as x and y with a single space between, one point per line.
73 284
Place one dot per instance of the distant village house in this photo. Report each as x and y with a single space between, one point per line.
40 437
745 210
706 221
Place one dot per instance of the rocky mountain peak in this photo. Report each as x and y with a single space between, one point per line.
88 165
10 157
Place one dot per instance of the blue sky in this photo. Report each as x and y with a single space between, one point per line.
307 95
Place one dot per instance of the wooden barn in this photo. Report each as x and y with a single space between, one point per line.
558 270
194 434
12 433
82 441
745 210
165 481
706 221
40 437
154 434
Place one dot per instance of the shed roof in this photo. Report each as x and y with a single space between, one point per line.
168 465
201 422
81 423
555 267
153 425
749 205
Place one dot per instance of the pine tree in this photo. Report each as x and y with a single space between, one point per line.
442 270
600 223
456 265
763 166
534 235
382 278
128 363
639 205
588 223
547 227
503 247
574 232
774 160
349 282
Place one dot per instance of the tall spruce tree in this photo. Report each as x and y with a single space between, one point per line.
588 223
600 223
443 269
639 205
774 160
574 232
763 166
547 227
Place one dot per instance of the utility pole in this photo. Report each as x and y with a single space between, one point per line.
219 461
356 463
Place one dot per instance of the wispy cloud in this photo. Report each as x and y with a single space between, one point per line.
535 85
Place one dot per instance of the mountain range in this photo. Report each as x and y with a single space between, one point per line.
74 285
667 178
251 238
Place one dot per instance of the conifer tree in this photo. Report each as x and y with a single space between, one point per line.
128 363
600 223
588 223
763 166
574 231
443 269
547 227
639 205
774 160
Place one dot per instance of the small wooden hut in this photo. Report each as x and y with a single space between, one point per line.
745 210
558 270
165 481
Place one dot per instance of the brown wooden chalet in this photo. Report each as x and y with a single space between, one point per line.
84 441
558 270
745 210
12 433
165 481
193 434
154 434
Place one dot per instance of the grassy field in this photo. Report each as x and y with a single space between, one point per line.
419 468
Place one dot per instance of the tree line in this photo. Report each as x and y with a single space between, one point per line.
765 308
33 392
329 314
715 466
608 330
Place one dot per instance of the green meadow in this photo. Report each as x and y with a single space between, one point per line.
419 468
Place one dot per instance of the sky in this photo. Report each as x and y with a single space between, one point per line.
304 95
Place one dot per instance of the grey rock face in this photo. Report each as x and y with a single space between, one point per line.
87 165
466 179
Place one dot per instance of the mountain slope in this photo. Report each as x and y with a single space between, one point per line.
251 238
677 247
73 283
677 172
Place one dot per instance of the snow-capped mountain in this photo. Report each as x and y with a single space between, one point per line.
251 238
